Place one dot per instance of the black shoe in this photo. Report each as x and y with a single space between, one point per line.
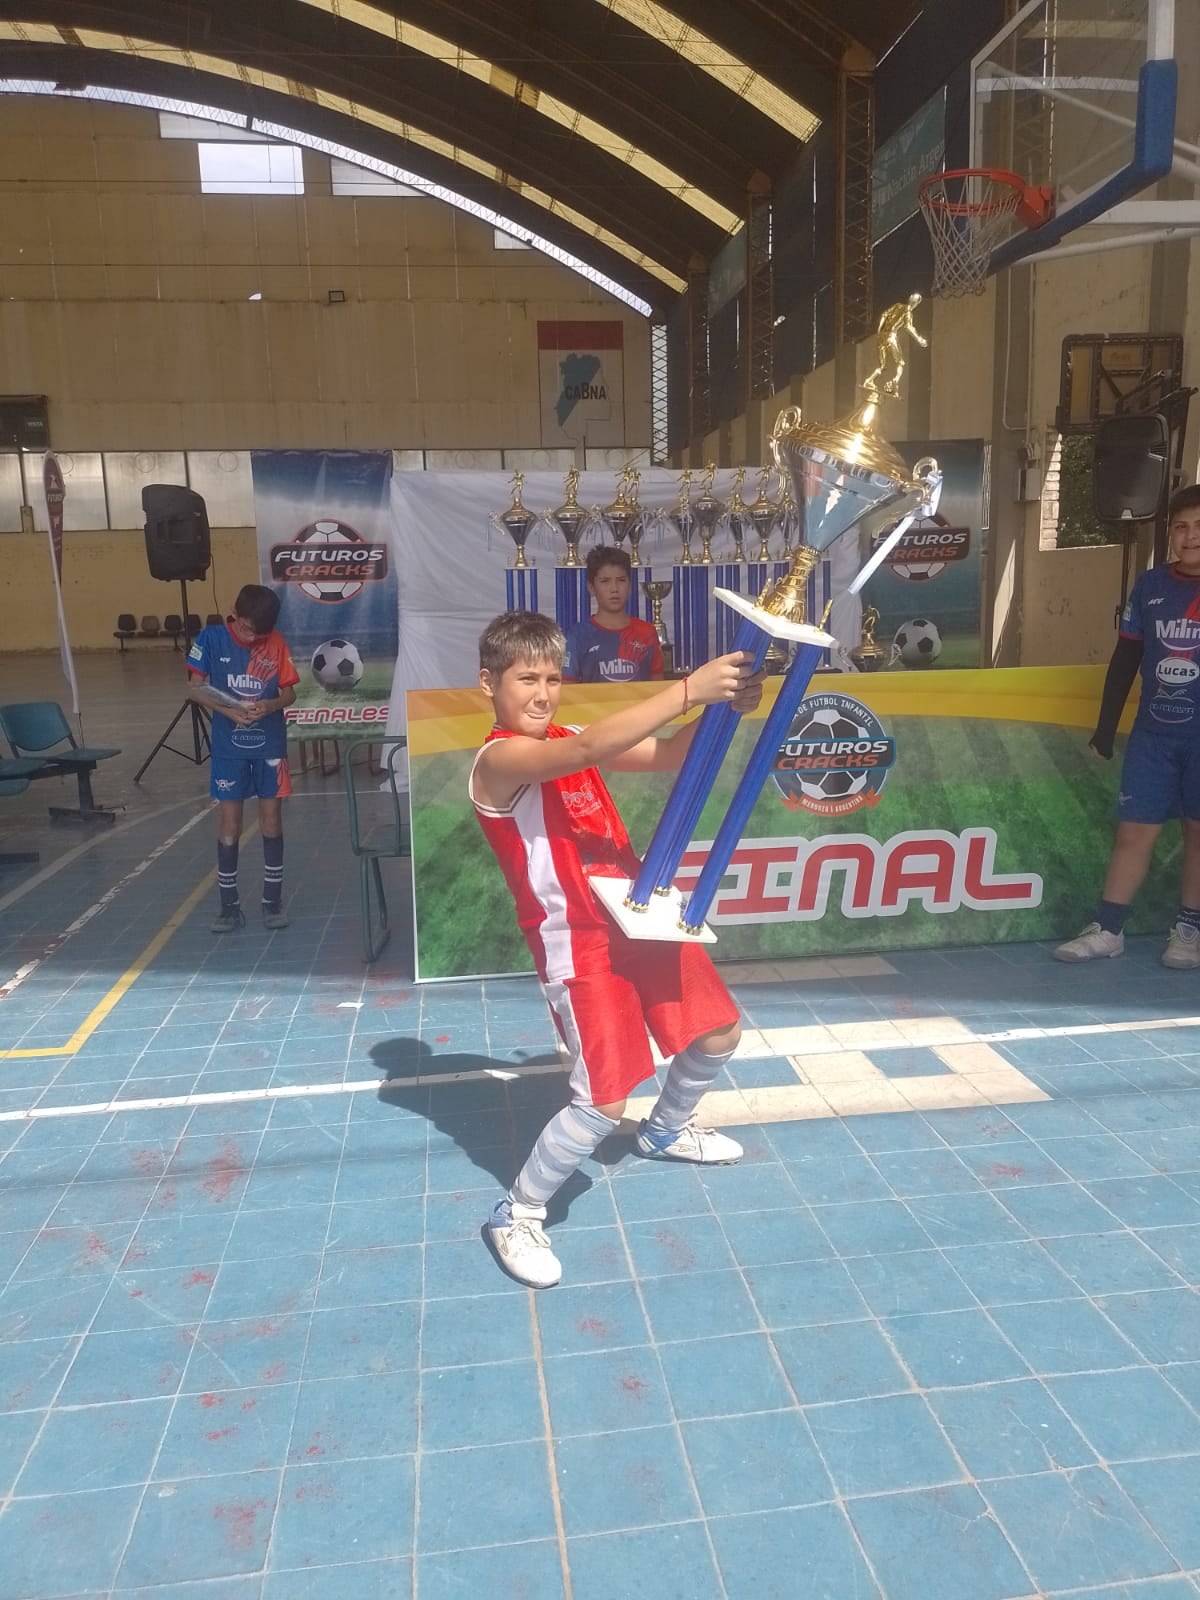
228 920
274 916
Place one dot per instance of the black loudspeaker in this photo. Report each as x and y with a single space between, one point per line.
177 537
1133 468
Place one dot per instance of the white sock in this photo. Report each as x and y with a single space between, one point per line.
691 1074
563 1145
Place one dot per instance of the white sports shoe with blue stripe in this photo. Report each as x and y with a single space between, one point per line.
703 1146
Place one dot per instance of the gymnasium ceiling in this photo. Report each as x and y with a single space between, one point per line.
621 131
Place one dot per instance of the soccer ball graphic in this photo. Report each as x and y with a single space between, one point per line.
823 726
918 643
331 590
336 664
917 571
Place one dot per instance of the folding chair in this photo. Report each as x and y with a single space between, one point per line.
37 728
11 784
389 839
126 628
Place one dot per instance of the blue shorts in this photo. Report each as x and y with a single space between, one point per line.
1160 778
241 777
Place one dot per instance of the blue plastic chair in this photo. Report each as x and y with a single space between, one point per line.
39 728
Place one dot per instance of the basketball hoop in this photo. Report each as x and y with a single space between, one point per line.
969 212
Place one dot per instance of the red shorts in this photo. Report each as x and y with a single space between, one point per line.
603 1015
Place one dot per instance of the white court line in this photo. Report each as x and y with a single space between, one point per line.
300 1091
54 867
94 910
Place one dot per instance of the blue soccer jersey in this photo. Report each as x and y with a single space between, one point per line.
612 655
1163 614
248 672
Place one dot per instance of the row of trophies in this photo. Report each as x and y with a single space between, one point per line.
705 518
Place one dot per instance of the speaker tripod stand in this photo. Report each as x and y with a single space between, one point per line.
201 743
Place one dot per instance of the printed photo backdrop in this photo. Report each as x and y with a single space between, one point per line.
903 810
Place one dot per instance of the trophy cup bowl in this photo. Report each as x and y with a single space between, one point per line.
656 591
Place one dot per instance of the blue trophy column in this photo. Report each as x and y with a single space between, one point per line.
693 786
521 588
791 691
570 596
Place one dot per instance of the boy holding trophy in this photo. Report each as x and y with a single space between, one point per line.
552 823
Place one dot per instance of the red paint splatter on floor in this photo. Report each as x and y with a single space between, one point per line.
200 1277
208 1401
681 1255
442 1038
393 997
275 1370
264 1330
136 1294
240 1521
135 1253
224 1169
634 1385
168 1374
593 1326
319 1489
314 1448
95 1248
1003 1170
249 1405
224 1433
147 1162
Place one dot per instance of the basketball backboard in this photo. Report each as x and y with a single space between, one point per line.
1080 95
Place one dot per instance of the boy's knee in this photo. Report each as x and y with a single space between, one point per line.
614 1111
721 1043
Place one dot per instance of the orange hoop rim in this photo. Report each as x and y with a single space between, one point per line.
1034 202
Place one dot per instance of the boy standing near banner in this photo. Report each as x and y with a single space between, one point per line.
611 646
242 672
1160 777
547 814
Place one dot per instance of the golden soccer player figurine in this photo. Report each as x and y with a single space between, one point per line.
895 320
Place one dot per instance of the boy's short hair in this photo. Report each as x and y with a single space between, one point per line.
1183 500
607 555
520 636
258 606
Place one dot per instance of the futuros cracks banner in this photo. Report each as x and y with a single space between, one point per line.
324 545
903 810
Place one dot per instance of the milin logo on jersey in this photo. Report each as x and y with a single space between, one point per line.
243 683
1180 634
618 668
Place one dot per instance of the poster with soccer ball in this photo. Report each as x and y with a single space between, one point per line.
324 541
928 592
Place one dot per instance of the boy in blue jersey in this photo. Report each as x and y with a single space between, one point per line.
611 646
1160 778
242 673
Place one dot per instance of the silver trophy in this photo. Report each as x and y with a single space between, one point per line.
707 513
739 516
621 515
569 519
518 520
637 525
682 517
763 514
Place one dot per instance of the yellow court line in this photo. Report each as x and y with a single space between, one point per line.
128 978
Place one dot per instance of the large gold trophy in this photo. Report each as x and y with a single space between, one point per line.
843 475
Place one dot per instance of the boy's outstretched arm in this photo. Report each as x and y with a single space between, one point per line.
666 755
510 764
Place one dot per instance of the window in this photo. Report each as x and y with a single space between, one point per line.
505 241
351 180
250 169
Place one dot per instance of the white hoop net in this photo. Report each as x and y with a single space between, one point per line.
968 215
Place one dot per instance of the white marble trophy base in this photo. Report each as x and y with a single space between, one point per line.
777 627
659 921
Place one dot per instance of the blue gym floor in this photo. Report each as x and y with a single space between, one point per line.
937 1337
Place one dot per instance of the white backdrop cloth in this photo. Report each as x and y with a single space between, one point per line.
450 561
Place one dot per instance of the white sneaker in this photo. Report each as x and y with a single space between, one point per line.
705 1146
1183 948
523 1249
1092 942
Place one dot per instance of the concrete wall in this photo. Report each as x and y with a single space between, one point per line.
126 301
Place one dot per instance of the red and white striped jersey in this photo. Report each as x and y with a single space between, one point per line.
549 841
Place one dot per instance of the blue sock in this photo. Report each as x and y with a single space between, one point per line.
272 870
1189 917
1111 916
227 873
